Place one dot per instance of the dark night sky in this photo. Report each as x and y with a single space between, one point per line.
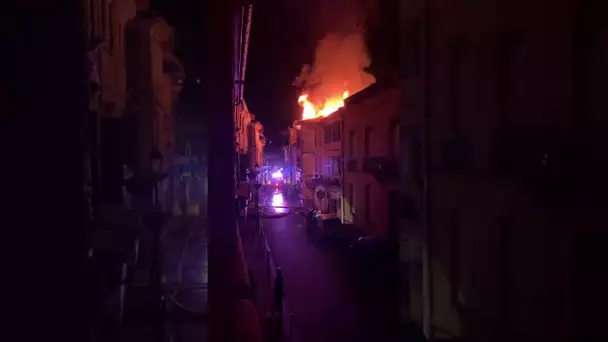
281 41
284 35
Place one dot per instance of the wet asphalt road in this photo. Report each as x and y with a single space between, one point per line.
318 289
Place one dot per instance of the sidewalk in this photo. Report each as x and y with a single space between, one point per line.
259 260
254 256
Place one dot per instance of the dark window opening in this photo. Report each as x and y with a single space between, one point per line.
351 143
333 205
337 131
368 138
327 134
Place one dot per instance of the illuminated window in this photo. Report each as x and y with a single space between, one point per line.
333 205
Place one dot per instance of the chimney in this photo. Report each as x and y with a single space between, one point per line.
141 4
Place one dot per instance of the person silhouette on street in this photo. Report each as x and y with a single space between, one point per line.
278 291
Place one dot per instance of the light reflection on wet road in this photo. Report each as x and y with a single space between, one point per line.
278 201
317 289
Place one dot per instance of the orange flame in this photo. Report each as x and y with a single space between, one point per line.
310 111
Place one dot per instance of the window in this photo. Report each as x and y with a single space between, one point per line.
351 144
368 204
333 205
368 139
336 131
327 134
332 132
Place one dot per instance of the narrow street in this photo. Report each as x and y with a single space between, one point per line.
318 292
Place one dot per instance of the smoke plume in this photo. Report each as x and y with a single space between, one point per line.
340 63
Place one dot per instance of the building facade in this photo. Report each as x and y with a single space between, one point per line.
256 144
371 149
292 155
106 56
321 160
498 107
242 122
154 78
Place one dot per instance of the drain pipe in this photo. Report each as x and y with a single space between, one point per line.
245 47
342 168
245 29
427 267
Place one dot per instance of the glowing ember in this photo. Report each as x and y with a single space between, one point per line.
310 111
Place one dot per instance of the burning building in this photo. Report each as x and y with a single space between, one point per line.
338 72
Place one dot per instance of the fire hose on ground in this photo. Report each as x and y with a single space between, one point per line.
179 288
265 214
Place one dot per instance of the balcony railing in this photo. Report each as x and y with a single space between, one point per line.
384 169
321 180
